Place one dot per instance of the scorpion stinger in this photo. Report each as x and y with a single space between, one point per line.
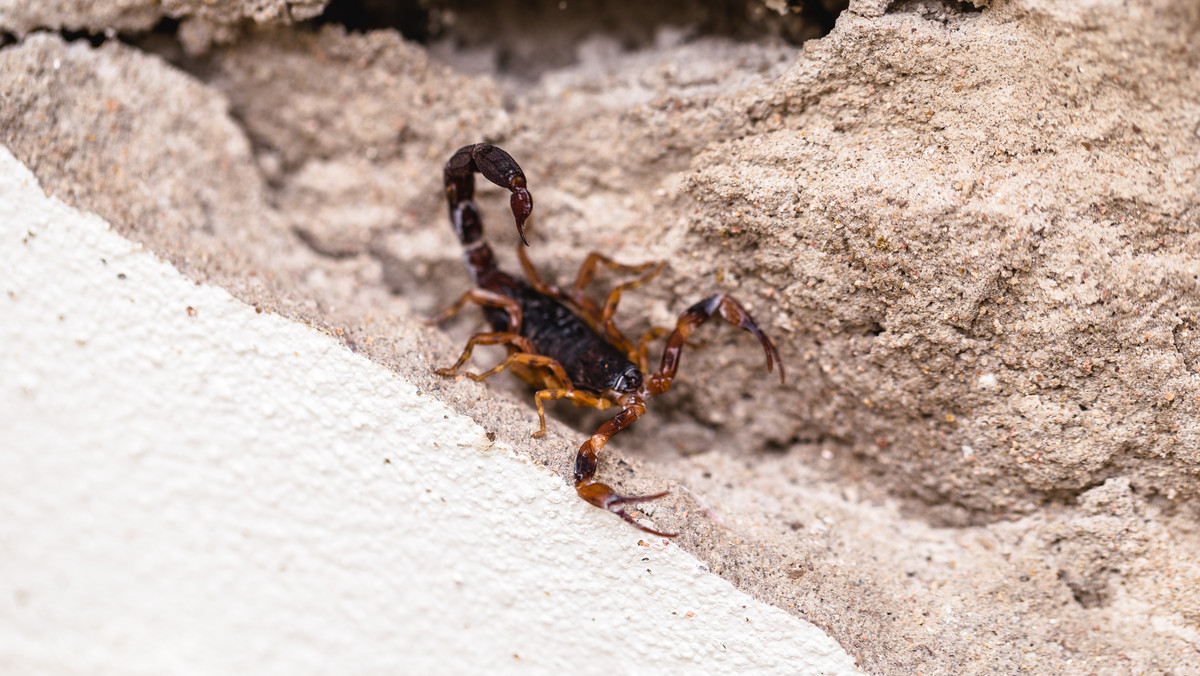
496 166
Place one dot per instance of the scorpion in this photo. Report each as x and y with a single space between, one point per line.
561 341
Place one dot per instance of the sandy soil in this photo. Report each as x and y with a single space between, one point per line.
973 232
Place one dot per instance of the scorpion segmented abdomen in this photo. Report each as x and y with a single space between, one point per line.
590 361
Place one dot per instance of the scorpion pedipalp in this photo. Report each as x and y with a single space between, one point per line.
603 496
727 308
600 494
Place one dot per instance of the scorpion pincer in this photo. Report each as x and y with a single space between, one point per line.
561 341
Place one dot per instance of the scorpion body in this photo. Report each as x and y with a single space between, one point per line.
561 341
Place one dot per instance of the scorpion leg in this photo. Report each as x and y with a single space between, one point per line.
601 318
643 347
580 398
534 279
610 308
585 305
729 310
587 272
498 338
525 357
557 379
496 166
487 299
602 495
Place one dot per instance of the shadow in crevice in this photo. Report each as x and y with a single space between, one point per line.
943 11
525 39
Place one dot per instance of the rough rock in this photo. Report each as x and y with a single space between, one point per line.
991 266
111 16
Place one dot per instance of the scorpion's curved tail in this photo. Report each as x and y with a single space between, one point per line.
496 166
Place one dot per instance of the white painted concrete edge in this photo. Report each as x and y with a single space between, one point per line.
219 491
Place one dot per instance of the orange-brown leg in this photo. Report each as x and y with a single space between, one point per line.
487 299
497 338
643 348
614 334
535 280
580 398
525 359
602 495
729 310
527 364
587 272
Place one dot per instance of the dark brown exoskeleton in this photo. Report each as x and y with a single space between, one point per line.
562 342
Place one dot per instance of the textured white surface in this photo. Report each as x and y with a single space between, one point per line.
227 492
